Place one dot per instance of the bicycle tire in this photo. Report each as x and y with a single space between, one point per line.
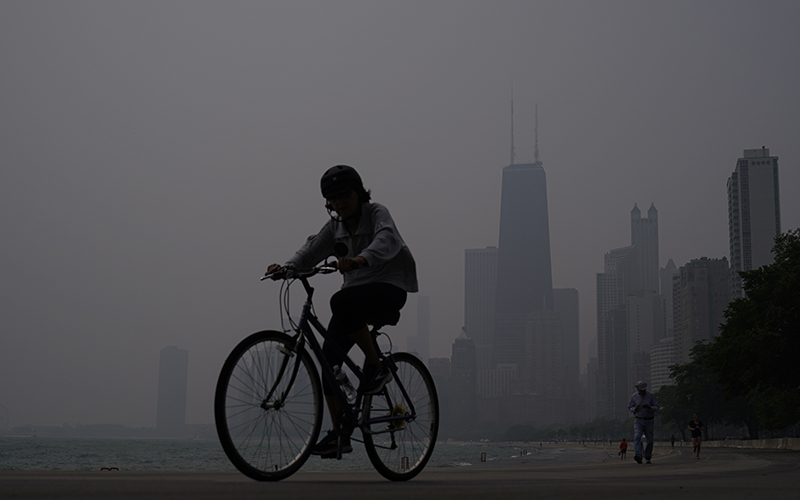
267 444
402 452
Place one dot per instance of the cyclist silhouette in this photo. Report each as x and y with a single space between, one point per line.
378 269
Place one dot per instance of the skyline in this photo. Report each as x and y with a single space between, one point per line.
158 156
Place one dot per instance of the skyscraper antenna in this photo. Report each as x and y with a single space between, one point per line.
513 154
536 134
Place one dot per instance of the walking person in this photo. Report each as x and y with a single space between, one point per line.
697 427
643 405
623 448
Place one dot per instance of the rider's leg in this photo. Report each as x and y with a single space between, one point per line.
363 339
333 409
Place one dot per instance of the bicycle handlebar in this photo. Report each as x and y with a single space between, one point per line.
290 272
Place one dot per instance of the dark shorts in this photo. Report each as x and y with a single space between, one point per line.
355 307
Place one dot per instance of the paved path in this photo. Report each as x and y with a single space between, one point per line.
719 473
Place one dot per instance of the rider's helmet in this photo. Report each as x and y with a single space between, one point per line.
338 179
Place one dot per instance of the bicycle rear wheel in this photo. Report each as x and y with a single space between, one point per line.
266 420
400 449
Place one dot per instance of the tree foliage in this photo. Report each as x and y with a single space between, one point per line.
756 354
697 390
673 409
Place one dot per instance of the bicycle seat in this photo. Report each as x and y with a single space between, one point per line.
380 321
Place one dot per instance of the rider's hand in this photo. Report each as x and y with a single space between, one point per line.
271 269
347 264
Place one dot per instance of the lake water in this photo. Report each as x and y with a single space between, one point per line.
37 453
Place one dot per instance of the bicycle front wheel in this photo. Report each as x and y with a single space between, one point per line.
268 406
399 449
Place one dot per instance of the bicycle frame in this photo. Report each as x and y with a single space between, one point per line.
268 402
305 333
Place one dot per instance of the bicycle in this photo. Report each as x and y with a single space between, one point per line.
268 404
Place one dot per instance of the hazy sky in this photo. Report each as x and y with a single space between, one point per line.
156 156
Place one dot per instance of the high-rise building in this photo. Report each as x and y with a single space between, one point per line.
463 381
754 213
619 279
173 373
644 238
566 303
420 343
524 279
646 326
542 371
667 272
702 292
440 371
480 284
662 356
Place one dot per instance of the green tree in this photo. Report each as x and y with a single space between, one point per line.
756 354
697 390
673 409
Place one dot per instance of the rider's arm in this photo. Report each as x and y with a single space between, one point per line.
315 249
386 242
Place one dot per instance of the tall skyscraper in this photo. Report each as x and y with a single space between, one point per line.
702 292
662 356
646 326
566 303
173 372
644 238
667 272
480 285
754 213
620 277
524 278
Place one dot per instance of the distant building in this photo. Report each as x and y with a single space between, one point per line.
701 294
480 285
173 372
498 382
662 356
463 395
420 343
754 213
543 371
524 279
646 325
440 371
589 383
644 239
566 303
620 278
667 272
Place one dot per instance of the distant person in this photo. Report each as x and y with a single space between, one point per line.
697 427
643 405
672 440
623 449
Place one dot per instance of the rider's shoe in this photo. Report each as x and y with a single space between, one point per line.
328 446
374 379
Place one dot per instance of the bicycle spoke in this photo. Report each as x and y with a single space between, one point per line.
268 442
